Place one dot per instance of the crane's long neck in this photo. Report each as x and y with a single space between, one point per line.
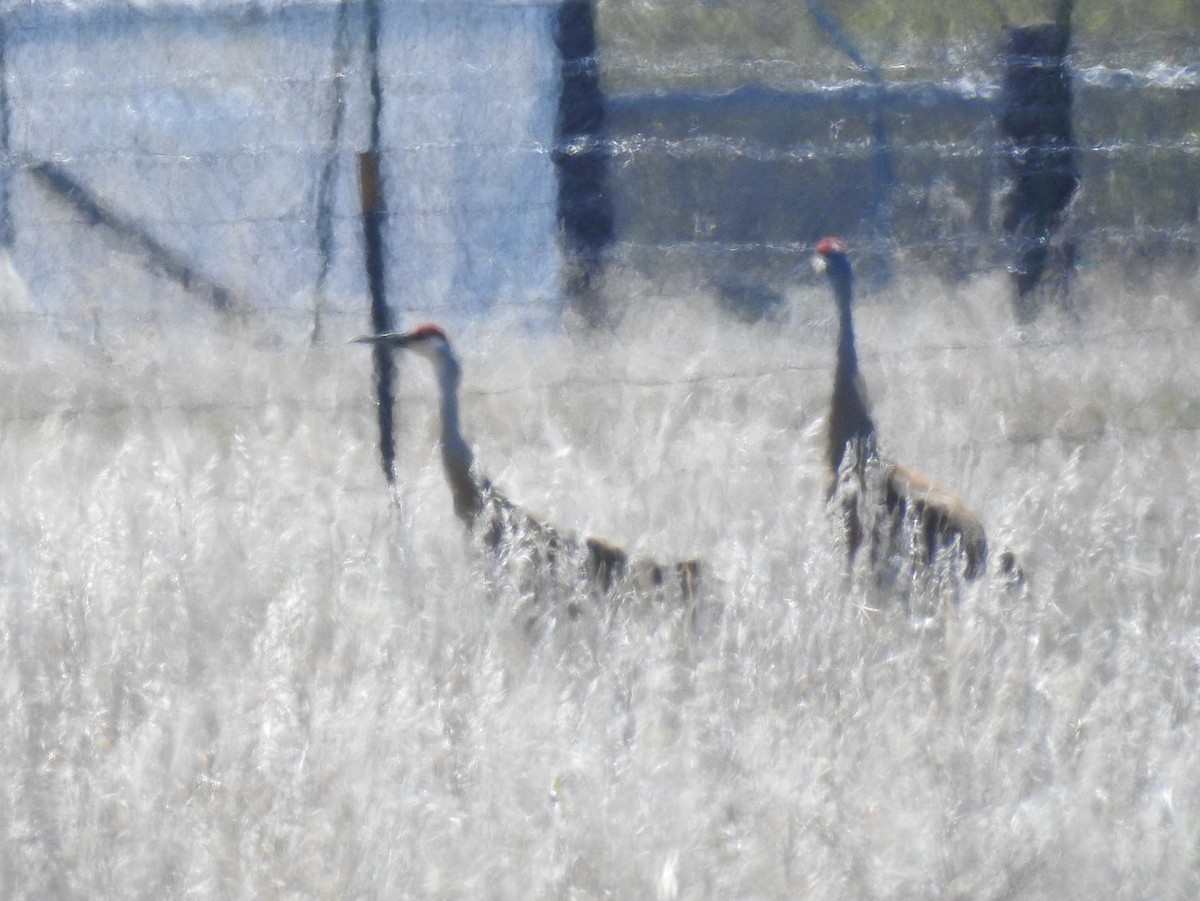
457 458
849 419
847 354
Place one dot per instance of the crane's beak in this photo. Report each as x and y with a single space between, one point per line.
388 339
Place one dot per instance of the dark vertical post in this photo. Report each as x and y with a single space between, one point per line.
581 157
370 185
1035 124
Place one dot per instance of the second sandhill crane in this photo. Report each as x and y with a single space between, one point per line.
877 498
501 524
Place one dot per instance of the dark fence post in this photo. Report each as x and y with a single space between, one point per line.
1035 123
370 185
581 156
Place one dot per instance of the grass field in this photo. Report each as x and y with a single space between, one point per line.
723 42
235 666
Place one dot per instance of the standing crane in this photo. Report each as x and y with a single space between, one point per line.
877 497
500 523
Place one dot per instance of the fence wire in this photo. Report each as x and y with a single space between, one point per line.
236 157
987 353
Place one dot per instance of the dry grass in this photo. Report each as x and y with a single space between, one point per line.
233 666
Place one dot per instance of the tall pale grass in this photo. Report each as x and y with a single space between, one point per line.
235 665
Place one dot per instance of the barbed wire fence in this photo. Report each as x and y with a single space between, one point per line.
300 402
219 171
167 160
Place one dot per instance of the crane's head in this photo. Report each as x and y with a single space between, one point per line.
428 340
832 259
832 254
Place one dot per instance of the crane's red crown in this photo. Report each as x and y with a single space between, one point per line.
427 330
830 246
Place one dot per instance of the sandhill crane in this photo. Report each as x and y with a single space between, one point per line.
856 476
501 524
